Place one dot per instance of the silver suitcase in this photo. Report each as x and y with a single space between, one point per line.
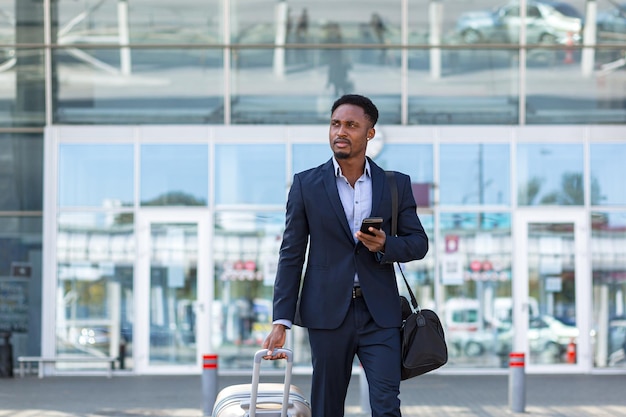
263 400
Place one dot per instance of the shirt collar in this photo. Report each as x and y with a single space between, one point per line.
338 172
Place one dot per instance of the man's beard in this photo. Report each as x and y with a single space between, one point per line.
341 155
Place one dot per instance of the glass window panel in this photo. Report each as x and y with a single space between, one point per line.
474 174
21 171
413 160
421 273
146 21
22 90
607 174
156 86
174 175
95 258
481 86
250 174
306 21
173 293
8 21
611 22
551 255
25 19
273 89
550 174
20 281
96 175
599 96
309 156
608 239
475 252
246 247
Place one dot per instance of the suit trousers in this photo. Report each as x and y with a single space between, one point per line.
333 352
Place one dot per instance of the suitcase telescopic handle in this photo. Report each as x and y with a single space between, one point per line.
256 372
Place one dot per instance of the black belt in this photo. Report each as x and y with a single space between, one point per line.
356 292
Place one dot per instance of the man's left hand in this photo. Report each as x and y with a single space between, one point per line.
375 243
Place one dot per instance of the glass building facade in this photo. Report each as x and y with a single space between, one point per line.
147 151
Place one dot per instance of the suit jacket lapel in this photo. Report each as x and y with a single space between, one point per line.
330 184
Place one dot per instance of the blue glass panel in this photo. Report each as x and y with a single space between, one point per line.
309 156
95 175
22 96
474 174
549 174
21 171
413 160
607 174
250 174
174 175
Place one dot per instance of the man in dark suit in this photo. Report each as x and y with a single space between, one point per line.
348 297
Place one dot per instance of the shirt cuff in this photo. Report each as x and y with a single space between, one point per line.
284 322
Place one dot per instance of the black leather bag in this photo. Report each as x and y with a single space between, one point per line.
423 341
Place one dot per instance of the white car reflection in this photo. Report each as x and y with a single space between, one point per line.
547 337
548 22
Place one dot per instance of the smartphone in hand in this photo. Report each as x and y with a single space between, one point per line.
374 222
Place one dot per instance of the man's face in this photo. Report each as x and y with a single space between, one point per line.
350 129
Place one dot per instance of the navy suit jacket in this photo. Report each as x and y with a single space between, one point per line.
316 220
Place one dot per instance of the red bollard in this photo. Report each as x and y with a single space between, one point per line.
209 383
517 382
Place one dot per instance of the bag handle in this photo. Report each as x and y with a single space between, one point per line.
391 178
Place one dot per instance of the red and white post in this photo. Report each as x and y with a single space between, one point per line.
209 383
517 382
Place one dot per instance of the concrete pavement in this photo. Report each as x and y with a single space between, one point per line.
431 395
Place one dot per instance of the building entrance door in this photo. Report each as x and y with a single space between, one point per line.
552 291
171 326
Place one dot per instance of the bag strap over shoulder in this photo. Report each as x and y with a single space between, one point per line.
391 178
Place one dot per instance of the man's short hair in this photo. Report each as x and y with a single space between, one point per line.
363 102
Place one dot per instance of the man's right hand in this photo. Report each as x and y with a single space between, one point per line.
276 339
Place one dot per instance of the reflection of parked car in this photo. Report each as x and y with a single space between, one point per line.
611 24
540 340
546 22
466 332
546 336
563 333
617 341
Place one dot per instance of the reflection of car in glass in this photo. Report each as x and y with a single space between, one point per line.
465 332
546 22
563 333
547 336
617 341
611 24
